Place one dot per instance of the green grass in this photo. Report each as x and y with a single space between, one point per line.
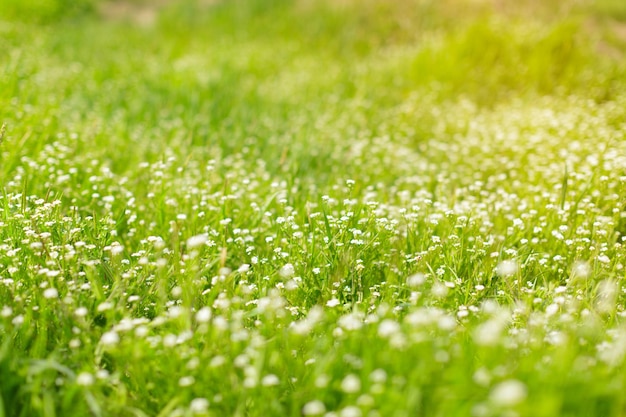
283 208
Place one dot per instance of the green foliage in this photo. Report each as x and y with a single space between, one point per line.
44 11
268 208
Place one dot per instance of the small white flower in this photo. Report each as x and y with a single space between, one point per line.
507 268
508 393
439 290
203 315
102 374
607 295
333 302
196 241
378 376
216 361
199 405
85 379
388 328
313 408
6 311
270 380
581 270
351 411
186 381
110 338
104 306
416 280
51 293
287 271
116 249
351 384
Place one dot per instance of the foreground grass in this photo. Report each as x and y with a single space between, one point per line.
268 208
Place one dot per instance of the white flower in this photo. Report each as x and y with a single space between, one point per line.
287 271
199 405
508 393
270 380
607 295
110 338
196 241
507 268
439 290
351 321
6 311
313 408
85 379
581 270
351 384
378 376
203 315
388 328
186 381
116 249
333 302
350 411
416 280
51 293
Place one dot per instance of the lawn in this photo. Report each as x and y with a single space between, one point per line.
333 208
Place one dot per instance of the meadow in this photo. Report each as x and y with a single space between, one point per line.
331 208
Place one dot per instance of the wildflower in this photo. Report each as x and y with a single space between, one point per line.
351 411
439 290
313 408
116 249
378 376
51 293
388 328
203 315
270 380
507 268
607 294
110 338
333 302
581 270
351 384
85 379
350 321
196 241
287 271
199 405
186 381
508 393
6 311
416 280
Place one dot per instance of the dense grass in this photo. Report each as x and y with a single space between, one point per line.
259 208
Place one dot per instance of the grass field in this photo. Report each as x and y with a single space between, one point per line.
331 208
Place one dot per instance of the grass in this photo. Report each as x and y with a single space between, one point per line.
268 208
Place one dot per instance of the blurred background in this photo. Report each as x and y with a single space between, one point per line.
252 75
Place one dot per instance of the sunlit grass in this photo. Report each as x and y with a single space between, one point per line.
257 208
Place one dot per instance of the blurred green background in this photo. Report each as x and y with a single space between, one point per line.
256 74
